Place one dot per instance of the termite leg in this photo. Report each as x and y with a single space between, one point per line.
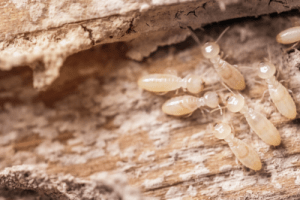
281 81
290 48
277 74
188 115
232 128
210 88
259 82
237 161
206 110
194 36
222 55
262 97
221 112
202 111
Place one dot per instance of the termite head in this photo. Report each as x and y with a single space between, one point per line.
210 50
194 83
266 70
221 130
235 102
211 99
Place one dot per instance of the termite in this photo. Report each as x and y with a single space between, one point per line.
279 94
289 36
162 83
186 105
258 122
244 152
229 74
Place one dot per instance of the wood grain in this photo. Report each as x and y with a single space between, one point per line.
93 127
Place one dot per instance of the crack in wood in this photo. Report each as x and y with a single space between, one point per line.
90 34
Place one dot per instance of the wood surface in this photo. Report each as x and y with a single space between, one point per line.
93 134
43 34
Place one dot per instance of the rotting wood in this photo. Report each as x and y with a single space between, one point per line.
114 129
43 34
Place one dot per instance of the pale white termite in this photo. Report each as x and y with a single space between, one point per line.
162 83
289 36
185 105
229 74
244 152
258 122
279 94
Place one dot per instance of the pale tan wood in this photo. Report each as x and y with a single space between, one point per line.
95 120
43 34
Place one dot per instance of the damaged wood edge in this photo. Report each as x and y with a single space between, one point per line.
139 29
184 139
35 178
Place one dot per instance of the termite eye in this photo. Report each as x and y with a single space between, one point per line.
221 131
266 70
211 99
210 49
194 84
235 103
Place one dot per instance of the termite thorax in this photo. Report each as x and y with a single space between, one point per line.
184 82
216 60
272 81
201 102
193 83
230 139
245 110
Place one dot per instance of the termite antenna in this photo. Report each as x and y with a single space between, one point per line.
219 108
221 90
227 87
244 67
269 53
207 72
210 88
194 36
259 82
221 35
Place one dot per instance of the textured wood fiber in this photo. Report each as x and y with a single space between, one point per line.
94 123
94 134
43 34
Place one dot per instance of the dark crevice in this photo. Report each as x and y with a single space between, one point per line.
178 14
296 121
192 12
90 33
130 29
